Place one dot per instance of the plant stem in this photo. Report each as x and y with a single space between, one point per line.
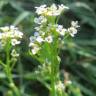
53 92
2 63
53 76
8 70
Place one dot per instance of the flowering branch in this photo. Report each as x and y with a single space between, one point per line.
9 38
44 45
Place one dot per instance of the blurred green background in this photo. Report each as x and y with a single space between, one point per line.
78 56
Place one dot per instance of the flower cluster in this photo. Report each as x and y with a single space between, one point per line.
53 10
37 40
10 35
14 53
73 29
47 28
60 86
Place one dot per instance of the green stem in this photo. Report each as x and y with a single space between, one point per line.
53 92
8 70
14 89
2 64
12 85
54 68
53 76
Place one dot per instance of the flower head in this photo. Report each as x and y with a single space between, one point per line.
48 29
11 34
14 54
35 49
49 39
53 10
61 30
60 86
41 10
40 20
15 42
73 29
75 24
39 39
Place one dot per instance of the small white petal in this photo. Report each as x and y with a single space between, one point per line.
40 20
39 39
36 34
49 39
72 31
35 50
60 86
15 42
32 39
14 53
75 24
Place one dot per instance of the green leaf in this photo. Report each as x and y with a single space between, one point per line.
21 17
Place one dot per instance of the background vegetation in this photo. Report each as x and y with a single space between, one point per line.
78 56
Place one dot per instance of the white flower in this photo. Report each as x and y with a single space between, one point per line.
40 20
10 33
35 50
32 39
18 34
39 39
53 7
34 47
53 10
41 10
36 34
5 35
60 86
72 31
13 27
62 7
59 27
15 42
75 24
49 39
14 53
6 28
62 33
31 44
61 30
40 33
